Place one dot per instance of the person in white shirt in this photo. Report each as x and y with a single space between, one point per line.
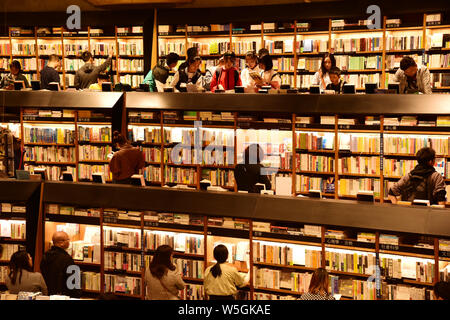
189 77
322 77
269 76
221 279
251 60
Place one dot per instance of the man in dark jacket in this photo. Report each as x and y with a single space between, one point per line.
251 171
88 74
54 267
423 182
49 73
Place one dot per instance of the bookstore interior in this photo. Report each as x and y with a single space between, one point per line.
330 159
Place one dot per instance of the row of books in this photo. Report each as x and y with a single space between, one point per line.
242 47
26 64
4 64
359 143
13 229
76 48
8 251
129 30
278 254
287 79
151 154
94 134
177 218
103 48
438 60
85 171
212 47
315 141
353 186
359 165
306 183
359 62
278 279
360 80
308 162
9 207
180 175
114 214
410 145
283 64
309 45
49 154
279 46
190 268
133 80
404 292
128 238
191 156
122 261
48 135
393 60
24 48
219 177
398 168
131 65
362 263
85 252
164 48
69 210
148 134
181 242
152 173
50 48
123 284
54 173
439 80
89 152
5 48
90 281
230 223
403 43
131 48
360 44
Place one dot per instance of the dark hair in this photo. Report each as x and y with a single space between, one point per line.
161 261
172 58
53 57
229 55
319 282
267 62
221 255
119 138
262 52
15 64
249 154
442 290
252 55
335 70
193 51
425 155
19 261
86 56
192 59
407 62
103 76
322 64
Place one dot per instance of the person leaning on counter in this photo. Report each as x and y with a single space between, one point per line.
411 78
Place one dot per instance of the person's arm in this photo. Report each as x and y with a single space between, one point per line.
398 75
25 81
276 82
175 80
214 82
426 81
439 192
396 190
103 66
265 179
316 79
239 280
179 283
244 79
239 83
199 83
77 81
159 86
113 167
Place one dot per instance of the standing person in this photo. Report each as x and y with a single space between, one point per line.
322 77
221 279
88 73
21 276
125 162
423 182
251 60
162 280
318 287
209 74
411 78
337 84
190 75
227 77
14 75
157 77
54 267
50 73
249 173
269 76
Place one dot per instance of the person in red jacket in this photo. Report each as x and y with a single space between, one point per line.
227 77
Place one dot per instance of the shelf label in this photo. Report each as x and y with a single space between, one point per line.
344 126
110 219
444 254
390 247
151 223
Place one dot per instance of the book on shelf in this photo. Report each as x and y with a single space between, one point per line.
389 239
433 19
6 207
393 23
366 237
265 227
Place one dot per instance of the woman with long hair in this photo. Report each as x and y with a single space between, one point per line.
322 77
21 276
221 279
162 280
318 287
125 162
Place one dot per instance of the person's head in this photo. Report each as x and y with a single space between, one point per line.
266 63
409 66
328 61
262 52
229 59
426 156
319 282
86 56
102 78
19 261
162 261
192 52
221 62
119 139
441 290
251 59
15 67
53 61
335 75
172 60
253 154
61 239
194 63
221 255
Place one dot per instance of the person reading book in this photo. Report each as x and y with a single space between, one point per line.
15 74
221 279
209 73
21 276
251 61
100 79
127 161
336 82
189 76
318 287
423 182
49 73
162 279
88 73
269 77
157 77
226 77
322 77
249 173
412 79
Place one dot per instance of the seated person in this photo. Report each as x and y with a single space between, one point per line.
227 77
412 79
14 75
249 173
336 82
157 77
190 75
100 79
269 76
421 183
